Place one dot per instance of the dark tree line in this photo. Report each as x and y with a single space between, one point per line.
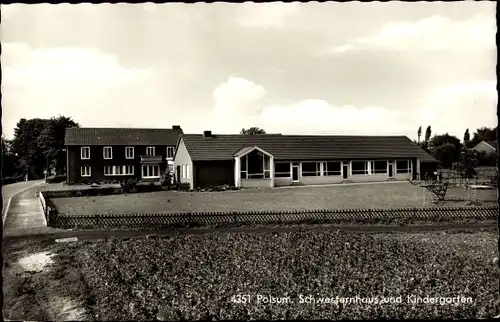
37 146
458 154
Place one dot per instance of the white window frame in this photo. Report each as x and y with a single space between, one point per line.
123 170
187 171
83 171
282 173
372 168
325 169
170 148
106 172
150 148
183 171
150 166
317 173
408 168
84 148
355 172
129 155
107 148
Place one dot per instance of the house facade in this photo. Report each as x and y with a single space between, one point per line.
281 160
118 154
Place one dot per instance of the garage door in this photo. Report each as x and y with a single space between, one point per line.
214 173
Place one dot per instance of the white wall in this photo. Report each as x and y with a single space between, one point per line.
182 157
256 183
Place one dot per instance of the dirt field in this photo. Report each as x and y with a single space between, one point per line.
223 275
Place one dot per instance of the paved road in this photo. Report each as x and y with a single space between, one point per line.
10 190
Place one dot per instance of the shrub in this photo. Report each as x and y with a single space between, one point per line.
56 179
86 181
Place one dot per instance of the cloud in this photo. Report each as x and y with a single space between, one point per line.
428 34
87 84
65 67
238 100
266 15
453 108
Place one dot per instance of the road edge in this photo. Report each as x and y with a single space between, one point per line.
5 211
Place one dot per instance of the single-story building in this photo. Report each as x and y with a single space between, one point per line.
486 146
279 160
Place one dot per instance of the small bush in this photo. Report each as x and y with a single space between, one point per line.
86 181
56 179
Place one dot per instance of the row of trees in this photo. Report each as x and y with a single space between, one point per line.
458 154
38 145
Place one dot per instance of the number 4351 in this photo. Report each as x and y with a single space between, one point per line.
240 299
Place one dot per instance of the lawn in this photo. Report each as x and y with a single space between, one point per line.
212 275
392 195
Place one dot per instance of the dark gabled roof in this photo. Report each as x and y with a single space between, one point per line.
493 144
304 147
121 136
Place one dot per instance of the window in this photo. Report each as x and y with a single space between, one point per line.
282 170
170 151
150 171
108 170
118 170
311 169
403 166
129 152
85 171
244 167
85 152
150 150
359 167
332 168
379 167
255 165
187 171
108 152
128 170
267 167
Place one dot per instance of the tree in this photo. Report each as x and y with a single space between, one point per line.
252 131
38 141
425 144
52 140
466 138
483 134
446 154
9 160
419 133
438 140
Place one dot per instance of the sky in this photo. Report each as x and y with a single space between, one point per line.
293 68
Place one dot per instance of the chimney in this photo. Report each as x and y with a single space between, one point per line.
207 134
176 127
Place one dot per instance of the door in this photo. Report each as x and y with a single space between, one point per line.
295 173
345 171
391 170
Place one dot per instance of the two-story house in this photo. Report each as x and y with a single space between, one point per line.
109 154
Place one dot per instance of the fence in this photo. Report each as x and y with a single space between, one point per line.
483 177
270 217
